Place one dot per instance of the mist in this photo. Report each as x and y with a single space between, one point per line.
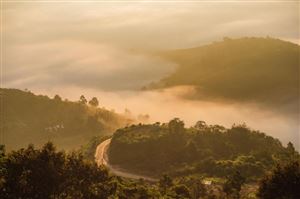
166 104
101 49
84 64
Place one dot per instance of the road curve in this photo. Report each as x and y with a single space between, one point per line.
101 158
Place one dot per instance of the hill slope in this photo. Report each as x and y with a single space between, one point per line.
260 70
28 118
212 151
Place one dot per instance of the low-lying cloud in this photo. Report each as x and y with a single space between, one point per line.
96 49
166 104
71 63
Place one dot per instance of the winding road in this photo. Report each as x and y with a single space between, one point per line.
101 158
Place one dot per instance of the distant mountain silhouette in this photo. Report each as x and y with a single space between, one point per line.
263 70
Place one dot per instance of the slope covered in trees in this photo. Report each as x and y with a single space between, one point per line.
32 173
49 174
28 118
282 182
263 70
208 150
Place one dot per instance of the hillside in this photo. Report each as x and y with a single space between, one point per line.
28 118
262 70
205 150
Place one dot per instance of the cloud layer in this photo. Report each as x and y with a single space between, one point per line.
95 44
73 63
100 48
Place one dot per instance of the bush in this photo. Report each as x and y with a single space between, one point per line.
283 182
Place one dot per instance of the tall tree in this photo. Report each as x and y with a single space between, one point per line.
176 126
94 102
200 125
82 99
57 98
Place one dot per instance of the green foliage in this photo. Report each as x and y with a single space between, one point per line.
49 174
164 183
176 126
198 189
57 98
233 185
37 119
181 192
209 150
283 182
45 173
94 102
82 99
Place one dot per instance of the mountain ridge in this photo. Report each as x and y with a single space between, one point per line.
260 70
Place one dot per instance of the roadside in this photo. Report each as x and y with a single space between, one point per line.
101 158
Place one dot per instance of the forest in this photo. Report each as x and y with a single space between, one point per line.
205 150
35 173
247 69
29 118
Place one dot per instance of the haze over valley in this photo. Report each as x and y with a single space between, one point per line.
149 99
94 50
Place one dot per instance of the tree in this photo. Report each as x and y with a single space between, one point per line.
164 183
181 191
290 147
46 173
94 102
291 151
2 151
282 182
233 185
82 99
200 125
2 168
57 98
198 189
176 126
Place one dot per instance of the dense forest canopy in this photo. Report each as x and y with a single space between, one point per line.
31 173
46 173
209 150
28 118
263 70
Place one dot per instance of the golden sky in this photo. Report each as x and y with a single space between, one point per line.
43 38
99 48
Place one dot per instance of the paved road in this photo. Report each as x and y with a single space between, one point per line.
102 159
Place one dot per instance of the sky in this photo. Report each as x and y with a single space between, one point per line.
103 44
101 49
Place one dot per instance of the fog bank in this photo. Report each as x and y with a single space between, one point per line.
164 105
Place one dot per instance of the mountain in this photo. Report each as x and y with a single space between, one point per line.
263 70
28 118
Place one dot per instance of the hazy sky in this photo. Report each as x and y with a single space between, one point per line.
98 48
95 44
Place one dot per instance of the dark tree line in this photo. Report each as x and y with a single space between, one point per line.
50 174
